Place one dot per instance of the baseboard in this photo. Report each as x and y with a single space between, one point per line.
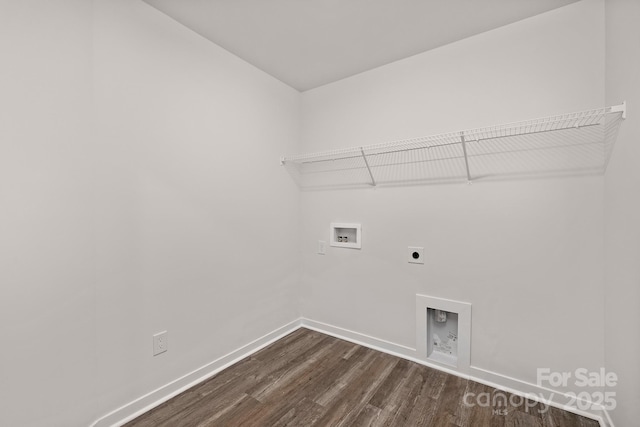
150 400
607 421
388 347
535 392
489 378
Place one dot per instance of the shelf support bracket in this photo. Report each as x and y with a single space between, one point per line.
466 159
282 161
620 108
364 157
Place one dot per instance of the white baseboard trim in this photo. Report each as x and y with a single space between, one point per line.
131 410
535 392
366 340
137 407
607 421
489 378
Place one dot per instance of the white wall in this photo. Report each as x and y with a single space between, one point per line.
46 228
527 254
171 213
195 220
622 210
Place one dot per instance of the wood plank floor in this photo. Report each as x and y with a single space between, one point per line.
311 379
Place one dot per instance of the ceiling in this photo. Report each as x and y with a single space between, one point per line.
309 43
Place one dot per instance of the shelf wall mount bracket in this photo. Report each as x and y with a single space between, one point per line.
622 108
366 162
466 158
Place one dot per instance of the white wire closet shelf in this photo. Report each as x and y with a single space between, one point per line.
568 144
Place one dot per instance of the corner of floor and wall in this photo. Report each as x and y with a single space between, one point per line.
141 192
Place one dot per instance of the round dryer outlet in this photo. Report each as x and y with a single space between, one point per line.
416 255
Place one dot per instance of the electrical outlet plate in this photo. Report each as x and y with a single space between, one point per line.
415 255
160 343
322 247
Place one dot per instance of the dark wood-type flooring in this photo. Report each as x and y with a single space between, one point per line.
311 379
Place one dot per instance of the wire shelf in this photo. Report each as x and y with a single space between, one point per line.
568 144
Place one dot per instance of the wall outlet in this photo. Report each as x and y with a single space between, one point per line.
160 343
322 247
416 255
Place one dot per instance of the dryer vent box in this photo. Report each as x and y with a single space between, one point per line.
443 330
442 338
345 235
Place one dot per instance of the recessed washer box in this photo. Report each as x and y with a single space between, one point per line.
443 330
345 235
